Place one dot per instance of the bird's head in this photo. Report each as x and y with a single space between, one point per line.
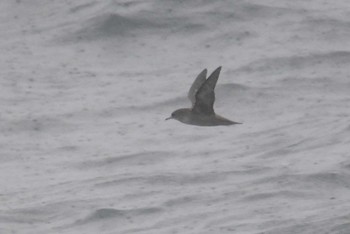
180 115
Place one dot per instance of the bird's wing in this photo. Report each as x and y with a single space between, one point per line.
201 78
205 97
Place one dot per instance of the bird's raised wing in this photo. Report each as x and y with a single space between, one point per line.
197 83
205 97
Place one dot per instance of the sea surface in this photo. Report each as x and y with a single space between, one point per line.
85 87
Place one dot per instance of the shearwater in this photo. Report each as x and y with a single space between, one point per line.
202 96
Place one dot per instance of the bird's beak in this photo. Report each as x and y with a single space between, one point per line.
169 118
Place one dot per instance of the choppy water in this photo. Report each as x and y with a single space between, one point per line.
86 86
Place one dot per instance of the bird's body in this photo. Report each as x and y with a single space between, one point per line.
202 97
187 116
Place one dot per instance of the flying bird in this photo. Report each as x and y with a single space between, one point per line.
202 97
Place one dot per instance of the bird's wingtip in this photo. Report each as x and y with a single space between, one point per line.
204 72
217 70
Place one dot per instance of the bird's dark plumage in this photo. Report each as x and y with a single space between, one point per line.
202 96
205 96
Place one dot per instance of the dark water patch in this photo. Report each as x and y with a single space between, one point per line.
104 214
325 84
109 25
186 179
326 28
325 22
337 224
253 10
250 98
173 179
28 215
182 201
42 124
237 93
324 180
330 180
114 24
122 181
141 159
82 7
235 10
130 197
106 25
281 180
236 36
68 148
231 87
343 228
310 61
170 179
118 214
346 165
275 195
20 219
